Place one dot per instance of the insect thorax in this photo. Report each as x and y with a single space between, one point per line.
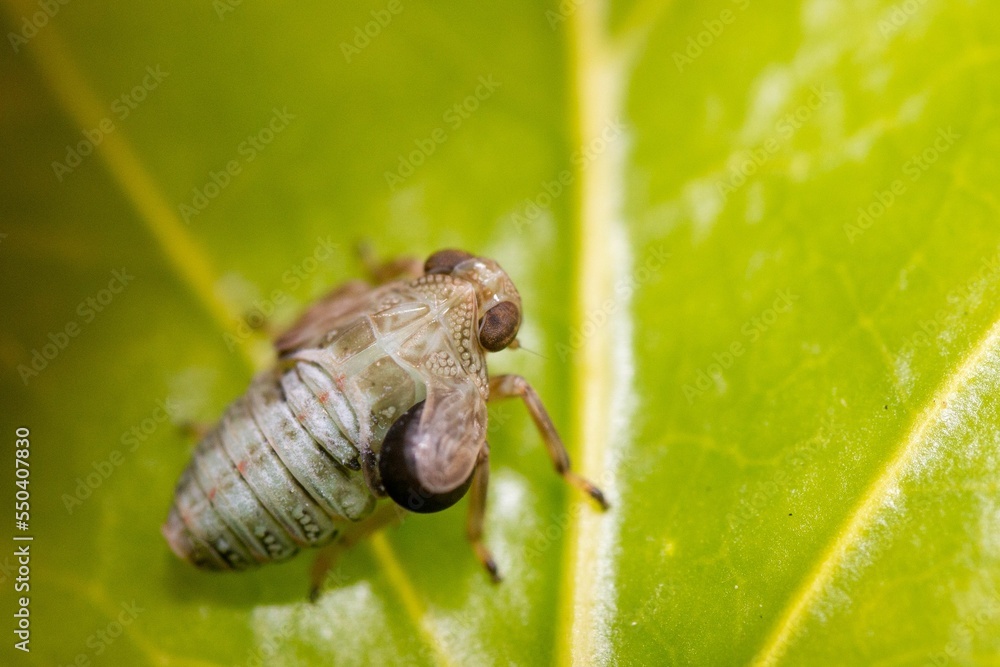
418 333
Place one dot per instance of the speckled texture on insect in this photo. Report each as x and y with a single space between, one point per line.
379 391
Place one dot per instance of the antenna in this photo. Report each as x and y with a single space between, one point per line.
516 345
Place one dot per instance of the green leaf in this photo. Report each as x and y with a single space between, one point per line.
759 251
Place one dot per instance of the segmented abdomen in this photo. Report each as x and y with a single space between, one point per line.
281 470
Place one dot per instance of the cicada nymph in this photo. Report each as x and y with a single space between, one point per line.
380 390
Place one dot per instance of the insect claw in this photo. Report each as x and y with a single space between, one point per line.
313 594
587 487
486 558
598 495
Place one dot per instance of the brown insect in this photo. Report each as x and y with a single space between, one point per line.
379 391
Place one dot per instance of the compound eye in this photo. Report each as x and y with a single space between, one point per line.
498 326
444 261
399 472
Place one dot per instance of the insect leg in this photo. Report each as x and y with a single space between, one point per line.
384 516
515 386
477 510
404 267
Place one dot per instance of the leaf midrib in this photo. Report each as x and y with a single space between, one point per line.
599 64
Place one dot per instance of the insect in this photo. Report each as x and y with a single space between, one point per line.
379 390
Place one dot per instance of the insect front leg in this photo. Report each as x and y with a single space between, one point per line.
515 386
477 512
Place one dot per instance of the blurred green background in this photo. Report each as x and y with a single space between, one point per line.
759 251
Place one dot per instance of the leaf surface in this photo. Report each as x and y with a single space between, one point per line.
758 248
